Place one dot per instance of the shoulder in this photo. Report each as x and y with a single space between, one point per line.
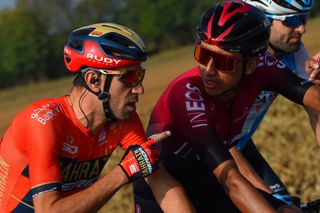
270 63
38 122
42 112
180 84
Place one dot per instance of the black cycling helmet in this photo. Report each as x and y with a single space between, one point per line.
235 26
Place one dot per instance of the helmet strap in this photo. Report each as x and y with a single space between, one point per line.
244 70
103 96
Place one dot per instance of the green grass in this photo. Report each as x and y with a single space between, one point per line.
284 137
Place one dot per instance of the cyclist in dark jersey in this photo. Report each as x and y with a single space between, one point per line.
288 24
206 107
53 152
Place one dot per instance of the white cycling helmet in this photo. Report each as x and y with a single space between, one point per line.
282 7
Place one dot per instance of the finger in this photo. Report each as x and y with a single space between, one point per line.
317 57
316 81
314 75
311 64
160 136
155 139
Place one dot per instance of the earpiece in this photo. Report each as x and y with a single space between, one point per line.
95 81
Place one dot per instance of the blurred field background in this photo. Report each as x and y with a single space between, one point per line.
285 137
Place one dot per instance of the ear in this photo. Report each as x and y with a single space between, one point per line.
252 65
92 79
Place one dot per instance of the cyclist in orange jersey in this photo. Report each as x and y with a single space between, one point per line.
53 152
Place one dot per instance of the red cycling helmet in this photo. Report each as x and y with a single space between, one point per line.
235 26
103 46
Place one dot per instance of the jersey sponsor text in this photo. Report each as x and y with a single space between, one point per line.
46 116
195 106
73 170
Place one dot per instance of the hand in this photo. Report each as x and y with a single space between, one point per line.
139 161
312 67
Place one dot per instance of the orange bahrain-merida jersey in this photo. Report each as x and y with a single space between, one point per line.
46 149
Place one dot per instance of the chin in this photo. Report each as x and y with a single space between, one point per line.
213 92
293 47
124 116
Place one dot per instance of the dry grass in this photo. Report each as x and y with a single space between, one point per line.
284 138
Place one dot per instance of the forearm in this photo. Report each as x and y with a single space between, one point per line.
89 200
240 191
169 194
247 171
247 198
311 98
315 122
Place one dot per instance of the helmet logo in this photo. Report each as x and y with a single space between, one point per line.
101 59
96 33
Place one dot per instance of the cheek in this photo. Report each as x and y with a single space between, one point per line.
117 87
202 71
233 78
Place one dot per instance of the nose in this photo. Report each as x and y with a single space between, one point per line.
139 89
210 68
301 28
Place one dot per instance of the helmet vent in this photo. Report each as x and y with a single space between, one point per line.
123 29
284 4
68 59
82 32
112 26
220 29
76 44
234 7
119 39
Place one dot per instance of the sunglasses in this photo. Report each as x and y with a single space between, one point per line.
223 63
292 21
130 78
